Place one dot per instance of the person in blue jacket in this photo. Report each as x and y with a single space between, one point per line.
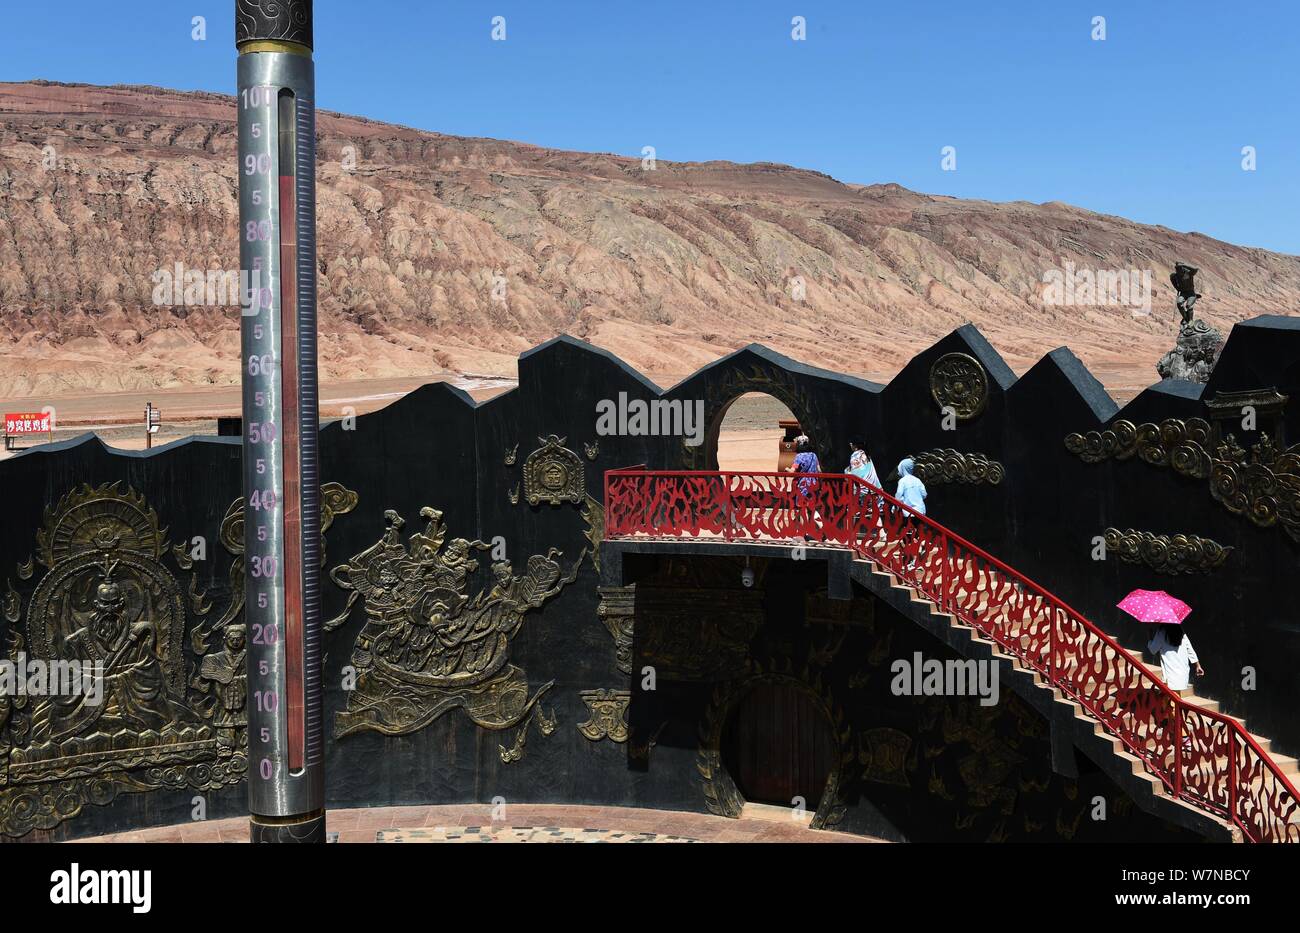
911 491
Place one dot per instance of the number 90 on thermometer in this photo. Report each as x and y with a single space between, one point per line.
281 503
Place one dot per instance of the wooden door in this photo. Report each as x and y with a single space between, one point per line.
779 746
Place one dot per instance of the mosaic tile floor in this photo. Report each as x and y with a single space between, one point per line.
520 834
525 823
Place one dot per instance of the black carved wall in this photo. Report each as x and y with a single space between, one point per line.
909 768
437 449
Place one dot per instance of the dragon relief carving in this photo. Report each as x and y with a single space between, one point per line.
427 646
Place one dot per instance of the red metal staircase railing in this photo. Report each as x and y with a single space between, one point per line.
1204 758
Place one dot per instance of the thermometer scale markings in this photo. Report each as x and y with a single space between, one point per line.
273 362
282 514
313 739
291 420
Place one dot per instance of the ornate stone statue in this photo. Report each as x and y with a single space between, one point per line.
1183 279
1197 348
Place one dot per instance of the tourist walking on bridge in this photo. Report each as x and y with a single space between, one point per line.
861 467
805 461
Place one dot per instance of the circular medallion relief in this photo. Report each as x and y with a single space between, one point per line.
958 380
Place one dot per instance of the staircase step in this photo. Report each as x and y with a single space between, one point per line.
1287 765
974 595
1210 706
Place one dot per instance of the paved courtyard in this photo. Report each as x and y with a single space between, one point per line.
522 823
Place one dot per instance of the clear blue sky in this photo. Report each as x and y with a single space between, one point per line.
1148 124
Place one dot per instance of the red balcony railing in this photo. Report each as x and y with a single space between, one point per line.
1204 758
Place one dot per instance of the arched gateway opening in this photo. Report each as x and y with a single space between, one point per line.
779 746
756 434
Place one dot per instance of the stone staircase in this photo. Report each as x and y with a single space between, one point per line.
1177 755
1071 723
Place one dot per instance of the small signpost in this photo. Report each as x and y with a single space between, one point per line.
24 423
152 421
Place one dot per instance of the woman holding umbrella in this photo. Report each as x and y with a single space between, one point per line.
1174 649
1170 643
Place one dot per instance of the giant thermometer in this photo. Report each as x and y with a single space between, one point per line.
277 250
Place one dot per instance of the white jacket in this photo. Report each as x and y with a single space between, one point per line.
1175 662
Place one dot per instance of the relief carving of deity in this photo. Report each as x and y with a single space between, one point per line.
427 646
167 709
108 602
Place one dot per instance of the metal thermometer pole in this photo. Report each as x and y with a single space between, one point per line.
277 238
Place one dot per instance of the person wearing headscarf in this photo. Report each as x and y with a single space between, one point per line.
860 465
805 461
911 491
861 468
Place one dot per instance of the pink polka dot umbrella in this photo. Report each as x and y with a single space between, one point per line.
1155 606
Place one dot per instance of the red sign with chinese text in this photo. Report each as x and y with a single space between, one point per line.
31 422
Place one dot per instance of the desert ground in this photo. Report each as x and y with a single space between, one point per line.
118 417
748 441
